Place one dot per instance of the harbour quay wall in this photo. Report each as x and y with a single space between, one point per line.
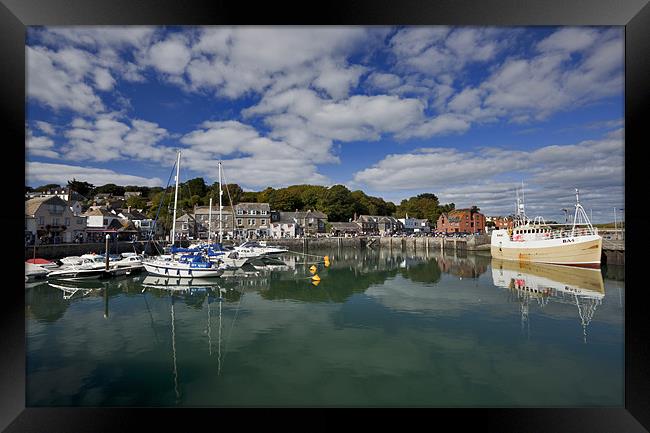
471 243
59 251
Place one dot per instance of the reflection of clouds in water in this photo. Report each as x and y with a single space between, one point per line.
283 352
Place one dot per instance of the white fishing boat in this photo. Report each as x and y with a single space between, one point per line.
577 244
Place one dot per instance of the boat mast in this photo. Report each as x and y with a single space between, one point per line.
220 207
209 220
178 166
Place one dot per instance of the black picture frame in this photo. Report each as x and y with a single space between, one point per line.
15 15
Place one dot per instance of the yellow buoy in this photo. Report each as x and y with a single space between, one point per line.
315 278
313 269
315 282
327 263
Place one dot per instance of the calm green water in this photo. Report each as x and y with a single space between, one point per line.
381 329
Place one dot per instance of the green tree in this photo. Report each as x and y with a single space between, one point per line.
83 188
136 202
337 203
110 188
249 197
46 187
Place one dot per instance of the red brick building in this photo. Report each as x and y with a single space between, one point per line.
461 221
501 222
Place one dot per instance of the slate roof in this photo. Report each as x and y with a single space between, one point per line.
253 206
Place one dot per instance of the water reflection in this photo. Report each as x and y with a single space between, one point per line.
381 328
531 282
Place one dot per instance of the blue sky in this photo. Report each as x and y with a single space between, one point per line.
464 112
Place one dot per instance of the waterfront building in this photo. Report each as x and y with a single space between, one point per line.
64 193
369 224
284 225
345 229
415 225
128 194
100 221
252 220
499 222
142 223
461 221
49 219
388 225
185 227
202 221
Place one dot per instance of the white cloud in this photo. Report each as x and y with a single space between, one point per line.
569 40
41 173
55 87
40 145
45 127
106 138
252 160
103 79
170 56
487 177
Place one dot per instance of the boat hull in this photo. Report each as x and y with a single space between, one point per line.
166 270
583 251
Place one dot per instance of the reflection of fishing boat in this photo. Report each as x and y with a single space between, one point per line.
581 287
537 241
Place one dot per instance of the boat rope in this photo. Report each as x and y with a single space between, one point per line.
225 349
232 207
162 199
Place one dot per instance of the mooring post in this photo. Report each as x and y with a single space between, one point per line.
107 238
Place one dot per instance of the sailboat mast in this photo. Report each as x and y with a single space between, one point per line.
209 220
220 207
178 166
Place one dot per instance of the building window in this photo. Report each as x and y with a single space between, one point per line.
251 222
263 212
55 221
67 221
240 212
239 222
253 212
41 220
184 226
105 222
262 222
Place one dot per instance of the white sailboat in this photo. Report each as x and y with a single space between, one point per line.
188 266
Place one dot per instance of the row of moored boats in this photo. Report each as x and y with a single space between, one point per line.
199 260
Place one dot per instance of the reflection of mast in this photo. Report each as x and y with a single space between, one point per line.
219 356
207 299
174 353
586 313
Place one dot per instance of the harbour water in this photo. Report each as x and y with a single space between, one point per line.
382 328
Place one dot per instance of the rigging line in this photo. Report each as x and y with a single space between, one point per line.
144 296
225 349
162 199
232 207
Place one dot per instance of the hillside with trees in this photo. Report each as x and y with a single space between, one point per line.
337 201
